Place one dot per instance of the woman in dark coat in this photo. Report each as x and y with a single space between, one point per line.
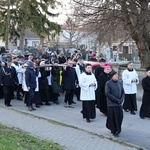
145 107
101 97
56 88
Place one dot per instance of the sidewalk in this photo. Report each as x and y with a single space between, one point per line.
66 127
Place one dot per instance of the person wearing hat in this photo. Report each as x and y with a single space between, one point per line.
93 57
114 93
130 81
145 107
101 97
98 70
61 58
8 80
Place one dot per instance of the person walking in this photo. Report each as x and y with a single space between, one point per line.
43 84
130 80
88 85
145 107
18 68
114 93
56 88
69 81
30 79
8 80
101 97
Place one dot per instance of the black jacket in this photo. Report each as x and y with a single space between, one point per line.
114 93
30 77
9 76
98 71
69 78
43 82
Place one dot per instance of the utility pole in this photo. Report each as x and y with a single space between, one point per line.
7 25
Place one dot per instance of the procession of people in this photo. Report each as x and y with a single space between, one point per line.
40 81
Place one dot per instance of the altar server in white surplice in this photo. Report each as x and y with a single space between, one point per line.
88 84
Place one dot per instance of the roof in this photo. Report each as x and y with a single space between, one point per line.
30 34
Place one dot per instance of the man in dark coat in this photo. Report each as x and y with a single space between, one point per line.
98 71
30 78
101 97
100 68
145 107
8 81
114 93
69 80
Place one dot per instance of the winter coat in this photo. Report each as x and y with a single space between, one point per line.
69 78
24 86
9 77
55 72
30 77
114 93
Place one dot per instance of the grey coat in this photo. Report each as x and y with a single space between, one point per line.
114 93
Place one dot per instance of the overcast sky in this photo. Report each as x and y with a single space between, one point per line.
63 11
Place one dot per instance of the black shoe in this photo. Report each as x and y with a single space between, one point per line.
116 134
20 99
37 106
47 103
126 110
73 102
56 102
33 108
142 117
88 120
41 103
132 112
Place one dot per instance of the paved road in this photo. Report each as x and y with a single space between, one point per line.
80 135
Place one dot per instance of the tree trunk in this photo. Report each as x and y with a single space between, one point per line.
22 42
144 52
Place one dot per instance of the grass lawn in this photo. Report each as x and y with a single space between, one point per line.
13 139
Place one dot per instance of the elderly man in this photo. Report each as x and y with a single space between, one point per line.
114 93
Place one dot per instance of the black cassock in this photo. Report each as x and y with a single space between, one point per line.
101 97
145 107
114 119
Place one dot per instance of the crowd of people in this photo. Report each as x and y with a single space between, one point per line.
40 81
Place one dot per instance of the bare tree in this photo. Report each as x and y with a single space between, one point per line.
115 18
71 33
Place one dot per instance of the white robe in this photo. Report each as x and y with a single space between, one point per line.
19 72
129 86
87 92
78 72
